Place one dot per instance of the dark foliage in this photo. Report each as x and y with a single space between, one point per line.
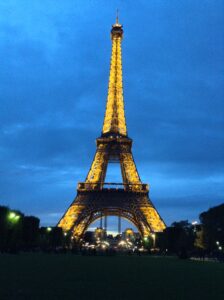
178 239
30 232
213 227
11 230
19 232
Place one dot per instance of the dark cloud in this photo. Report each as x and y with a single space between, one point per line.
54 77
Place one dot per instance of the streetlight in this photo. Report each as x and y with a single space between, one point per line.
13 217
194 223
154 240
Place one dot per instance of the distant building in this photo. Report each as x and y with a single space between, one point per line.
129 234
100 233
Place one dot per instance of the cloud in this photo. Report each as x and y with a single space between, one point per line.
54 77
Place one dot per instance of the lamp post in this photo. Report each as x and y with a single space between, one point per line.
154 240
14 231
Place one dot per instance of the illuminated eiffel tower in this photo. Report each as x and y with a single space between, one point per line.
95 198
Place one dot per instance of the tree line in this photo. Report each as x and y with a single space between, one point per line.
206 238
23 233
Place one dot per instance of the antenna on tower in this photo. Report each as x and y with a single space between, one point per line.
117 22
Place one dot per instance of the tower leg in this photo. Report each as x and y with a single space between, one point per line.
119 224
101 221
105 223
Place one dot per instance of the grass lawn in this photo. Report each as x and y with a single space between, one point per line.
50 276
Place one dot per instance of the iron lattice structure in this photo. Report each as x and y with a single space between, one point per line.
129 199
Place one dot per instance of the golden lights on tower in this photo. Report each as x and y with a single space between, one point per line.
114 120
114 145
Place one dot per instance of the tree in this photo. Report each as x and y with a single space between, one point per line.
30 232
51 238
213 228
177 238
10 229
4 211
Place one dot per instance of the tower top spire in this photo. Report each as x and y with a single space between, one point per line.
117 27
114 119
117 15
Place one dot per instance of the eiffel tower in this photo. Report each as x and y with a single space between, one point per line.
95 198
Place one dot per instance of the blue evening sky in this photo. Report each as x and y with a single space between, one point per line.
54 67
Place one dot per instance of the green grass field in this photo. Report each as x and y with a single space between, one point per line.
49 276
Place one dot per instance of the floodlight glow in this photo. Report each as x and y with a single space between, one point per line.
49 229
12 215
121 243
194 223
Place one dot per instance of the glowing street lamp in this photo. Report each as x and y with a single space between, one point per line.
13 217
194 223
154 239
49 229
